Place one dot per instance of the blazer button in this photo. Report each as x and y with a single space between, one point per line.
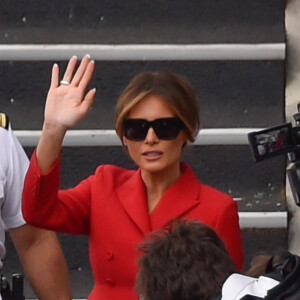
109 255
110 282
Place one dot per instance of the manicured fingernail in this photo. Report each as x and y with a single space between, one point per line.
74 56
88 56
55 65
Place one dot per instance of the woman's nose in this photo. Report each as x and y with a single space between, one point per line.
151 136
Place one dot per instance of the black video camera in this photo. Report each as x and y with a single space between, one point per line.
279 140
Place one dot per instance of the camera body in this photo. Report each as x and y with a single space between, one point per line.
274 141
279 140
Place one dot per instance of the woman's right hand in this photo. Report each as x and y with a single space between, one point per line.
67 104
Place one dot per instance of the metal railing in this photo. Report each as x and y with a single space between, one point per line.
108 137
143 52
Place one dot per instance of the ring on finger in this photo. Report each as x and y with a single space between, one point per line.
64 82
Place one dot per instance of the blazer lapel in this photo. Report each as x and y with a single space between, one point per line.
181 197
132 196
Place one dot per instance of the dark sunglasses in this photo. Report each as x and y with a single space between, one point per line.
164 128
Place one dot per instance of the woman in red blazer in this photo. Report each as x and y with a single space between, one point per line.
156 116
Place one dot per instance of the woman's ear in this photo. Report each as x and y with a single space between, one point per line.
124 141
125 146
186 139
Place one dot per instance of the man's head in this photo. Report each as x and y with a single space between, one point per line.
184 261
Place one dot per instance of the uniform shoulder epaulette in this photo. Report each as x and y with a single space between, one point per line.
4 120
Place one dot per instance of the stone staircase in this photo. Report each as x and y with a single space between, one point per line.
237 71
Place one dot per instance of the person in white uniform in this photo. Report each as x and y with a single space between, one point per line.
39 250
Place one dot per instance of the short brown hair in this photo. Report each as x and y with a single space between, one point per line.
171 88
185 261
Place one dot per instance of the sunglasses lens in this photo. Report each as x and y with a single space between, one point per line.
165 128
135 129
168 128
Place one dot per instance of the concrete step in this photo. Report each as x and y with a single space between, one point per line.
163 21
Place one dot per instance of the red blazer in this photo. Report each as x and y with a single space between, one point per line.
111 207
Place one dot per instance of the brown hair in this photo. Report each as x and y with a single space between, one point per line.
171 88
185 261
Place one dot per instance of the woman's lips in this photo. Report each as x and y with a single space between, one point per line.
152 155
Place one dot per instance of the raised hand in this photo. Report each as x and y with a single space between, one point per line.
67 101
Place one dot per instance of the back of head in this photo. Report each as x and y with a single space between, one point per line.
185 261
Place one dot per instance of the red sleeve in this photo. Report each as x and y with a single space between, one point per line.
229 230
44 205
